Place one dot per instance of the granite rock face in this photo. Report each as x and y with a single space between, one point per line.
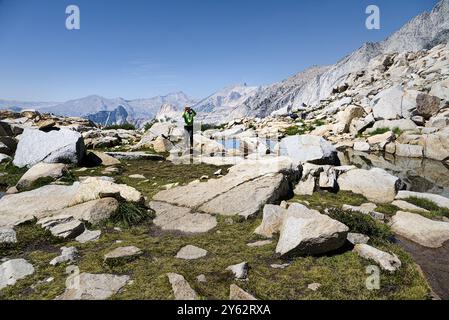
63 146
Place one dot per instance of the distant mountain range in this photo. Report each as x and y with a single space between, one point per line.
106 111
303 89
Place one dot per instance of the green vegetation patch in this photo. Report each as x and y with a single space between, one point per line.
161 173
435 210
321 200
364 224
396 131
11 175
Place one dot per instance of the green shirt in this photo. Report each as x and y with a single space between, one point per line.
188 117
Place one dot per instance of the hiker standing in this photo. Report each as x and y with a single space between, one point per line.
188 115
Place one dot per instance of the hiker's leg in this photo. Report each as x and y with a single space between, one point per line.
191 140
186 138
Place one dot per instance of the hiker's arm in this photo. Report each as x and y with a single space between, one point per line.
194 112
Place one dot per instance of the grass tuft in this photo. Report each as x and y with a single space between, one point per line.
363 223
130 214
435 210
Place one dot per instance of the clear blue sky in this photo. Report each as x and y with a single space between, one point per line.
143 48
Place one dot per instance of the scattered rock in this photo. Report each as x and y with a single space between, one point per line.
68 254
181 288
357 238
41 170
105 159
135 156
7 235
367 208
361 146
280 266
314 286
305 187
4 158
46 124
64 227
426 232
162 145
88 236
240 270
13 270
94 211
122 255
96 187
386 261
406 206
237 293
308 232
86 286
427 105
190 252
259 243
201 278
271 221
137 176
174 218
379 141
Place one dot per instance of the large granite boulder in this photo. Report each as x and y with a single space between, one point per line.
63 146
426 232
82 200
376 184
427 105
308 232
243 191
308 148
436 146
394 103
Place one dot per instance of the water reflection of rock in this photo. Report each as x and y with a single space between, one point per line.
420 175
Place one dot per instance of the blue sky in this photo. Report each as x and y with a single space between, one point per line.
142 48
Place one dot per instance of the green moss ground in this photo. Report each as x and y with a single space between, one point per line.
342 276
